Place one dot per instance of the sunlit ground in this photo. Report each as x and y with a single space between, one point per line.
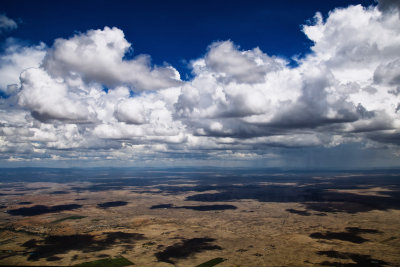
186 218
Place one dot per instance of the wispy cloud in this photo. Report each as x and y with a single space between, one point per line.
7 24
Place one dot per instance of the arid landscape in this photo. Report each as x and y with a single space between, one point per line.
187 218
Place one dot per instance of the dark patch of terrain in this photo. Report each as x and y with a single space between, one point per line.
351 235
344 236
114 237
316 197
111 204
358 259
299 212
53 258
186 248
162 206
41 209
357 230
198 208
3 206
314 189
208 207
24 203
54 244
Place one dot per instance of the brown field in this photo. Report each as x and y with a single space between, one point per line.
185 221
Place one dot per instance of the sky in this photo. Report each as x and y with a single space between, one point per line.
287 84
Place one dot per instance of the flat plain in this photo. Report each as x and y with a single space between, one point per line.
187 217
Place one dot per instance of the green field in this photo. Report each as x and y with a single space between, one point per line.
116 262
212 262
74 217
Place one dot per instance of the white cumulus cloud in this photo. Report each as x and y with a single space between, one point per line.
15 59
239 103
98 55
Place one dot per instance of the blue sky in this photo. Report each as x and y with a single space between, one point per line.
291 84
176 31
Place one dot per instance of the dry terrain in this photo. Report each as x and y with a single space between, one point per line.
188 218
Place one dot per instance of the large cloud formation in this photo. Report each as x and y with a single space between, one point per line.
98 55
82 100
